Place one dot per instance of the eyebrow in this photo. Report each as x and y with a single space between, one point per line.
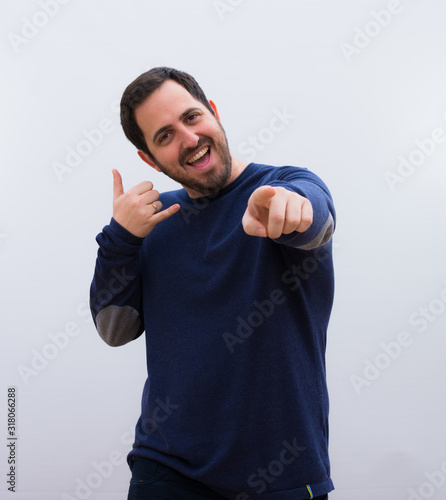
167 127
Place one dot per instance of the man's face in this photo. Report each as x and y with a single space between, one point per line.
186 140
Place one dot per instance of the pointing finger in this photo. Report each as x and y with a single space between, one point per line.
262 196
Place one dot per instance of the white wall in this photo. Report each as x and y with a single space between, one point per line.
355 103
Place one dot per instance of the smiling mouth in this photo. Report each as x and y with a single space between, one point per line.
195 160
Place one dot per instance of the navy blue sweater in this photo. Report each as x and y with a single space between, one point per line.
235 329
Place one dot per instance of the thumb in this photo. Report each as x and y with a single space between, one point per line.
118 188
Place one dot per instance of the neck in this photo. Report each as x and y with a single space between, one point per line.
237 168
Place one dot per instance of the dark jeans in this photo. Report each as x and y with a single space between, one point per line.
154 481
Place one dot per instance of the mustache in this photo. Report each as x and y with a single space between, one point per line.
189 152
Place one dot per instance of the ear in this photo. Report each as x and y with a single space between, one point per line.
214 107
146 158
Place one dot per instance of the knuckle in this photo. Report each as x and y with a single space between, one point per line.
294 218
276 217
303 226
307 219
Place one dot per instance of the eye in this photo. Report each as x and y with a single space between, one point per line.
164 137
192 117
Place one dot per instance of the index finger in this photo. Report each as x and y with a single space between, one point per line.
141 188
262 196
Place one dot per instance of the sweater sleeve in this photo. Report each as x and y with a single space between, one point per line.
115 293
313 188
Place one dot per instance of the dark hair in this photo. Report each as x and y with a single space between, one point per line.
141 88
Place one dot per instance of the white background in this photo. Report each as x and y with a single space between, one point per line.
354 111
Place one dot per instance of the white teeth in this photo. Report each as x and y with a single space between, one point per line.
198 155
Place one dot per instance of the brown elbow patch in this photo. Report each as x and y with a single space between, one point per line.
118 325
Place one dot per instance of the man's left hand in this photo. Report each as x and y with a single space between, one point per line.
273 211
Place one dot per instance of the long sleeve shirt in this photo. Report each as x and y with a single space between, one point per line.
235 329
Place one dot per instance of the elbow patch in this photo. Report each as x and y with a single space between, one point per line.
118 325
323 237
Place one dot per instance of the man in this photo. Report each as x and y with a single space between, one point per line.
232 283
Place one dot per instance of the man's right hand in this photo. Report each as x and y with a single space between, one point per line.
135 209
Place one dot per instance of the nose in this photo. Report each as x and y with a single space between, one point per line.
189 139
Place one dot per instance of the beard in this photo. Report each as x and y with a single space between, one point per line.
215 179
